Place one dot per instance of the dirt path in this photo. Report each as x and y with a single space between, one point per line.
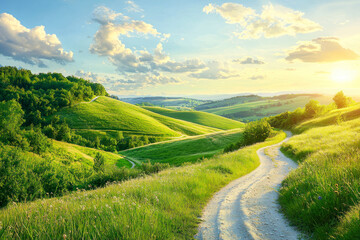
247 208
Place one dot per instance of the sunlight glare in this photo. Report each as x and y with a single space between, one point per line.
343 75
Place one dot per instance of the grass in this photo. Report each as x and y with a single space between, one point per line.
110 114
88 154
322 197
176 152
263 107
202 118
163 206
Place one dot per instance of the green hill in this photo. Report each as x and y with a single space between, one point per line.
322 196
250 108
109 114
190 149
202 118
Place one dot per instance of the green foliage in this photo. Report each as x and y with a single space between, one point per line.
11 119
41 95
341 100
166 205
99 163
254 132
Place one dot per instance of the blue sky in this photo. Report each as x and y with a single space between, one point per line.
188 47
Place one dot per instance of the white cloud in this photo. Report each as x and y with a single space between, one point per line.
31 46
257 77
93 77
248 60
325 49
273 21
133 7
216 70
141 80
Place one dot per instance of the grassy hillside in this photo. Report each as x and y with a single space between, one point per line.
202 118
110 114
257 108
163 206
87 155
229 102
322 197
191 149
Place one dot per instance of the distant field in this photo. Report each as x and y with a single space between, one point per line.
87 155
202 118
265 107
179 151
106 114
171 102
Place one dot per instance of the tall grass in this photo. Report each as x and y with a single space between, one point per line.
166 205
322 196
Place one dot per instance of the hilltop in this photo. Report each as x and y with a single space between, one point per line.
202 118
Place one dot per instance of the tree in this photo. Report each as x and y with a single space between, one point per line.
99 163
11 118
341 100
312 108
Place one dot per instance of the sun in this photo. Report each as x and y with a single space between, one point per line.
343 75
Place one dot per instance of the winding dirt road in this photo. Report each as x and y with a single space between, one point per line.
247 208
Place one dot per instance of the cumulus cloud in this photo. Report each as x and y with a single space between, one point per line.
249 60
215 70
273 21
141 80
93 77
30 46
325 49
107 43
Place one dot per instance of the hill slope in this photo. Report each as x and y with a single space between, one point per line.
109 114
250 108
202 118
190 149
322 197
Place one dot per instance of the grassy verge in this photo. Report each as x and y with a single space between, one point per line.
322 196
163 206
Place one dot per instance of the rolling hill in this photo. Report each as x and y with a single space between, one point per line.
168 102
202 118
190 149
107 114
250 108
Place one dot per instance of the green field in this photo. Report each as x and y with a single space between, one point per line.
259 108
162 206
202 118
322 197
168 102
190 149
109 114
87 155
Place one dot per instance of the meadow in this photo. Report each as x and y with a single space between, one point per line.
258 108
188 150
322 197
161 206
202 118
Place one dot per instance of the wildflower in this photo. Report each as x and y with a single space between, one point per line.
64 236
319 197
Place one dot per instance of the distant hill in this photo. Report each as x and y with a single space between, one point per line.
202 118
253 107
109 114
176 102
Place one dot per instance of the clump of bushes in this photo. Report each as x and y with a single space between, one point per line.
254 132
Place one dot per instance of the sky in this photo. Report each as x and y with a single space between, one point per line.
168 47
